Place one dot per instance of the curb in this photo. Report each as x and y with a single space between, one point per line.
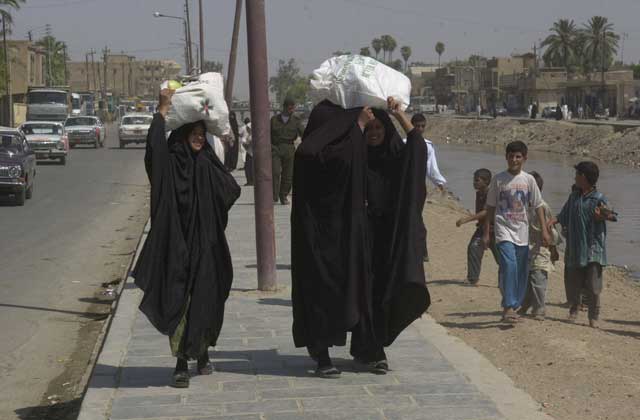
511 401
100 379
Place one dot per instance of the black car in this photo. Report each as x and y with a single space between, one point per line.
17 166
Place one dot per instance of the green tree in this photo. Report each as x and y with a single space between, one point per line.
439 50
405 51
396 64
340 52
561 45
212 66
389 44
636 71
6 6
288 82
365 51
600 43
376 44
55 59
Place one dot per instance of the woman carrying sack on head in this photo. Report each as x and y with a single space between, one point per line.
185 266
356 225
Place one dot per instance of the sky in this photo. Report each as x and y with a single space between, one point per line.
310 30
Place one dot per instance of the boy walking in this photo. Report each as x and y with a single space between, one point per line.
584 216
475 249
510 195
541 261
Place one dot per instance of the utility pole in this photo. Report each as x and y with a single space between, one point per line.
86 69
624 36
7 73
604 87
49 73
201 18
92 52
105 57
231 71
123 79
259 95
188 35
66 72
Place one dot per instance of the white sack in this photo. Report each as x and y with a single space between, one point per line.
201 100
354 81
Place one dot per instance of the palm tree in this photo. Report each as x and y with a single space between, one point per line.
365 51
561 44
600 42
439 50
391 46
376 44
406 53
5 5
385 44
55 53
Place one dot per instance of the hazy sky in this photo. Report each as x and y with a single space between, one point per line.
310 30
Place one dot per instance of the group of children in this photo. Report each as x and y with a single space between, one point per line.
515 223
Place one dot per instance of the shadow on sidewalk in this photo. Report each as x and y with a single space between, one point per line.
477 325
278 266
463 283
67 410
275 301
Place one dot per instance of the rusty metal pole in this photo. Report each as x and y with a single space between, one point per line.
231 71
201 24
259 98
188 34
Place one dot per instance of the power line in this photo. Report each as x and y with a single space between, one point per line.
64 3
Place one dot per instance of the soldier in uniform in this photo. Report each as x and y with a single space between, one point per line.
285 129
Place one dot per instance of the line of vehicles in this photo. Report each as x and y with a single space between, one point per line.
57 121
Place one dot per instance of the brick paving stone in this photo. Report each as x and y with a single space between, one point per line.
260 374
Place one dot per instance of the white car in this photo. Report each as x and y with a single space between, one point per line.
47 139
85 130
134 128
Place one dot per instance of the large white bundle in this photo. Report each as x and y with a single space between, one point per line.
203 100
354 80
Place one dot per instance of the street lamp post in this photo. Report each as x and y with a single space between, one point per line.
188 59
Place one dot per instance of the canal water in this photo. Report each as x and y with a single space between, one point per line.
621 185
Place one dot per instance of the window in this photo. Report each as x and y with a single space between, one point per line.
11 143
71 122
54 129
46 98
138 120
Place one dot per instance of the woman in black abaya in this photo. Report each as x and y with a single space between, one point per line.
185 267
356 228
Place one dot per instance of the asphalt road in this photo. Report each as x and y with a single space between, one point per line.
77 231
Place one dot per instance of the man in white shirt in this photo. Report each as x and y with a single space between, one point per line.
246 141
419 122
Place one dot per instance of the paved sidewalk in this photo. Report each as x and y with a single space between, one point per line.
261 375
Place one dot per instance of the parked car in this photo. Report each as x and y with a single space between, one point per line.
549 112
47 139
502 111
133 128
17 166
85 130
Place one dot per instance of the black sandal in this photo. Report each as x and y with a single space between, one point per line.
180 379
329 371
204 365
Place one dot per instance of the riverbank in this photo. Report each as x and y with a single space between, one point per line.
573 371
596 142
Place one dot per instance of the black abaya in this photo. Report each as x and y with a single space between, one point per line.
185 266
356 223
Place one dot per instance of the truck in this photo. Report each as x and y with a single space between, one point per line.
48 103
77 106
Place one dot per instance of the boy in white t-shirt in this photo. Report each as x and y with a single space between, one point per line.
510 196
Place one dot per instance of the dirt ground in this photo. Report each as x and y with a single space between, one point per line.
595 142
573 371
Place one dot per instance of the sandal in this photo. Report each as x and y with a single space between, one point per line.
204 365
329 371
180 379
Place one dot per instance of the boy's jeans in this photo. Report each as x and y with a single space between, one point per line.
514 270
536 292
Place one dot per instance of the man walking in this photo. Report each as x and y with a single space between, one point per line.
285 129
